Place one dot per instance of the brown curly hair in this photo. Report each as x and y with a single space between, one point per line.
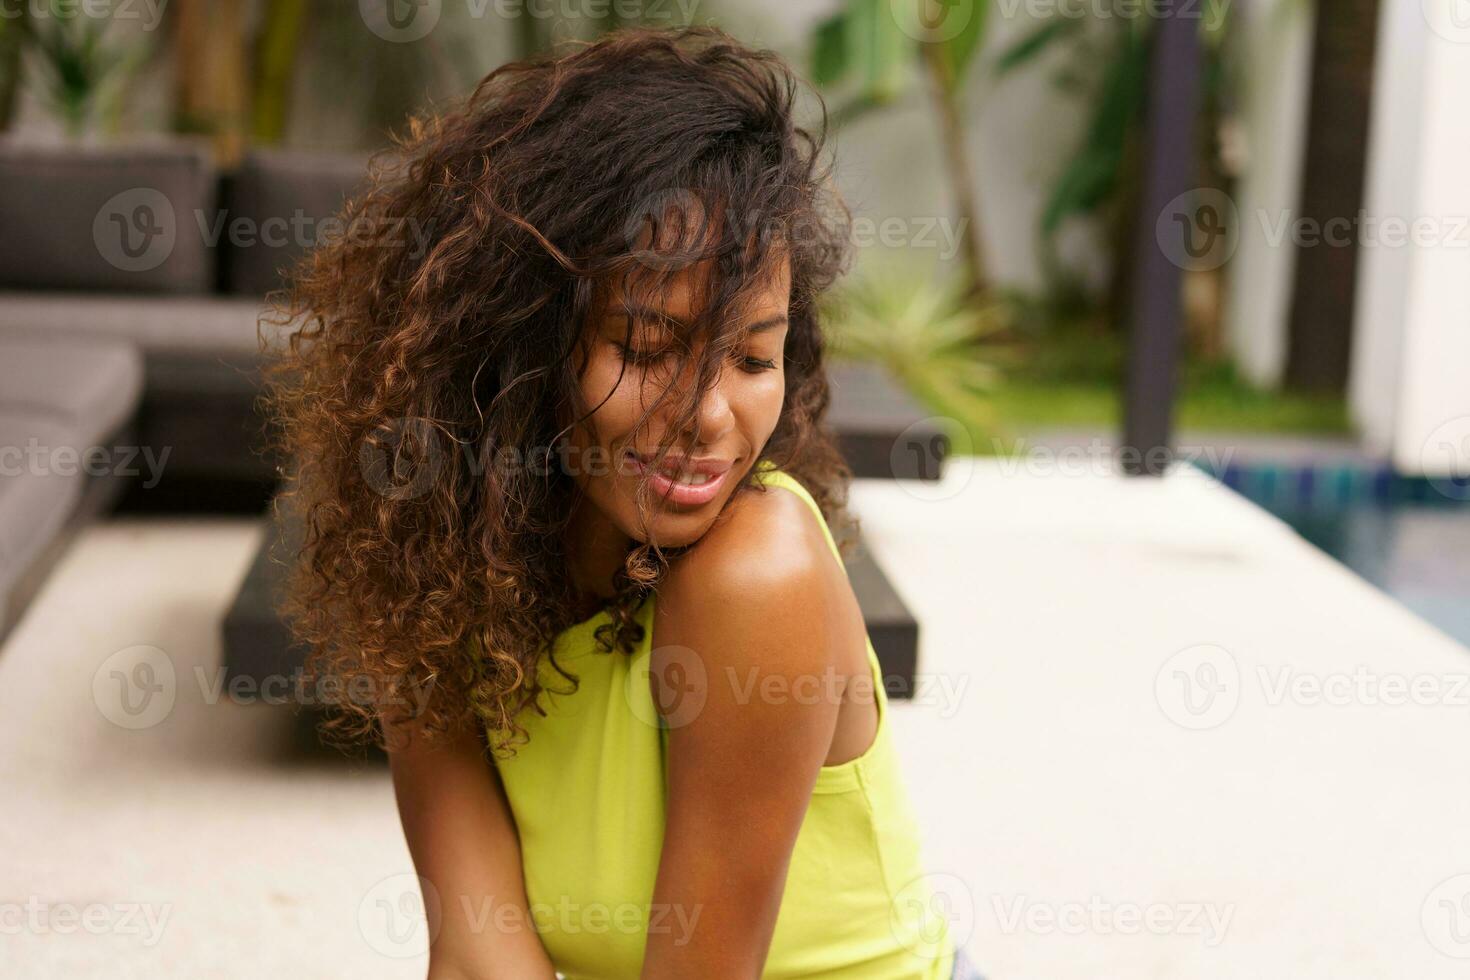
437 330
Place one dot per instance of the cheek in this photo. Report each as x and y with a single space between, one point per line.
615 413
765 395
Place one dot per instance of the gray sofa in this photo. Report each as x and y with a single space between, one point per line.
132 279
66 409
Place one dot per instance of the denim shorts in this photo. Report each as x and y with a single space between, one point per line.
963 968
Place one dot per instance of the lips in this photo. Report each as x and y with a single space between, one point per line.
674 481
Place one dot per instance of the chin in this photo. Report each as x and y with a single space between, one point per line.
671 530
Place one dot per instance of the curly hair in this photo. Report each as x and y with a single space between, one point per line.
436 331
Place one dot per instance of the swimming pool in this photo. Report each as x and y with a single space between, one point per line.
1410 536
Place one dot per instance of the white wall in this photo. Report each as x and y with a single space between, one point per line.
1392 188
1276 81
1410 387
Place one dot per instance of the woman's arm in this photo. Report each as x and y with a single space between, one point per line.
754 612
463 840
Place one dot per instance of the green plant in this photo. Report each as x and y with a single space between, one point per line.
865 46
1107 62
82 74
933 336
277 46
1094 175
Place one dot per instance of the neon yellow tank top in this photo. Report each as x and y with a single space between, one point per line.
588 790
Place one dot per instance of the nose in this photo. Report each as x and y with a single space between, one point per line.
714 415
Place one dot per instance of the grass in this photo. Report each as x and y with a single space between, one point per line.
1211 406
1074 380
1012 366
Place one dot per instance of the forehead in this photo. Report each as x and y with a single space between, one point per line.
683 293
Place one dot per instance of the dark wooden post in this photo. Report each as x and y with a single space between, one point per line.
1319 341
1153 355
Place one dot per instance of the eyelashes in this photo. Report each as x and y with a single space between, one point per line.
639 358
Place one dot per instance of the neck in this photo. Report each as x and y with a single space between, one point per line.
595 549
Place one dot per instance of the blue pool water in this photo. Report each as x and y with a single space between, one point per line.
1407 535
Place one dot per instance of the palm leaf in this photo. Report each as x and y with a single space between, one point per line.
830 57
1033 43
959 51
927 334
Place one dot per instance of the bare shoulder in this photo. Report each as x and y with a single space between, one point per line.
766 533
764 572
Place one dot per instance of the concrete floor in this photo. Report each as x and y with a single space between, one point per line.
1157 736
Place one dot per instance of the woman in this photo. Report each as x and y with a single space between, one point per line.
564 480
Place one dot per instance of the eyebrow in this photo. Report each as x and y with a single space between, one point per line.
648 313
769 323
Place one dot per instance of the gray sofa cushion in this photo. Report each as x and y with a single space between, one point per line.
201 367
37 495
115 218
92 388
174 324
280 199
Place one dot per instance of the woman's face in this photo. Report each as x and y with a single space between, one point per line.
734 420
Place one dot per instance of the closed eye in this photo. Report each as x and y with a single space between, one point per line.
755 365
632 356
752 365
